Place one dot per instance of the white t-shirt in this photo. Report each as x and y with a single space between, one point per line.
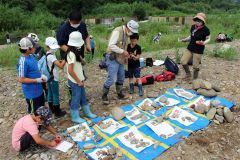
51 58
77 67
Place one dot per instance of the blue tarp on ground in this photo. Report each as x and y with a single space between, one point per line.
151 153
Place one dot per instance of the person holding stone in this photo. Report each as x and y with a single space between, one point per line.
27 130
117 56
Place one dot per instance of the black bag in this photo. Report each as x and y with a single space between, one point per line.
171 65
149 62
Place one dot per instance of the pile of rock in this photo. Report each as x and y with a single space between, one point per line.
215 112
205 88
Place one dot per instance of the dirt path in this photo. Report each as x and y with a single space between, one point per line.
215 142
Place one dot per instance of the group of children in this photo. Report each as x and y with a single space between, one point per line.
35 84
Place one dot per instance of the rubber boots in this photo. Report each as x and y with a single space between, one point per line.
195 73
131 87
105 96
87 112
140 90
120 94
188 73
75 117
58 112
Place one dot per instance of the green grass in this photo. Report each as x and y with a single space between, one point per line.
9 56
227 23
228 53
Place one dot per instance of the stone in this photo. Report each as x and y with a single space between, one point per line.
207 108
206 85
228 114
152 94
6 114
28 156
219 118
89 146
211 113
112 151
215 103
199 109
220 112
1 120
216 121
118 113
196 84
207 93
163 99
44 156
35 156
216 88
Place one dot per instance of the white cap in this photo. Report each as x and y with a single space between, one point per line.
75 39
51 42
133 26
25 43
33 36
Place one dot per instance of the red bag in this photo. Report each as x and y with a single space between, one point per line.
165 76
147 79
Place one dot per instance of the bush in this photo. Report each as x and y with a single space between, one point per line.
162 4
139 13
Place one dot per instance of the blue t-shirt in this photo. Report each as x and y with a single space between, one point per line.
66 29
28 67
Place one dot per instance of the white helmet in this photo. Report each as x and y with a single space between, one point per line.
34 37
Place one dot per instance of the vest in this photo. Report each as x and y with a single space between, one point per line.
121 43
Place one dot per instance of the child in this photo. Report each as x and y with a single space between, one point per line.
30 76
92 44
76 78
39 54
134 51
26 130
53 86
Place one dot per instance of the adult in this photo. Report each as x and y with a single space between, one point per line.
199 37
117 56
73 24
26 130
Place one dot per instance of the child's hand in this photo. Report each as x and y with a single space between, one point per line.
52 144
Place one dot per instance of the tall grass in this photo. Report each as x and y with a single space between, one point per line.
224 52
9 56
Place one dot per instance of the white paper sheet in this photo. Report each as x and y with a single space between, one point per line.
145 100
64 146
199 101
171 102
182 114
80 135
134 131
162 129
114 126
96 154
158 62
183 93
135 112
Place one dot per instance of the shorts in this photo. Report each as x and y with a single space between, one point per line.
134 72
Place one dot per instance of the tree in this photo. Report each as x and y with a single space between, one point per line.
139 13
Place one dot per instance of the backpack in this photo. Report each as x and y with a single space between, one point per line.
171 65
147 79
149 62
165 76
44 69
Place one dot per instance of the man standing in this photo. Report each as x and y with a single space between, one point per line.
117 56
73 24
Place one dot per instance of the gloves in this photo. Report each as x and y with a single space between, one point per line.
44 78
39 80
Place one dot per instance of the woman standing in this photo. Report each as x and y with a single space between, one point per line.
200 36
